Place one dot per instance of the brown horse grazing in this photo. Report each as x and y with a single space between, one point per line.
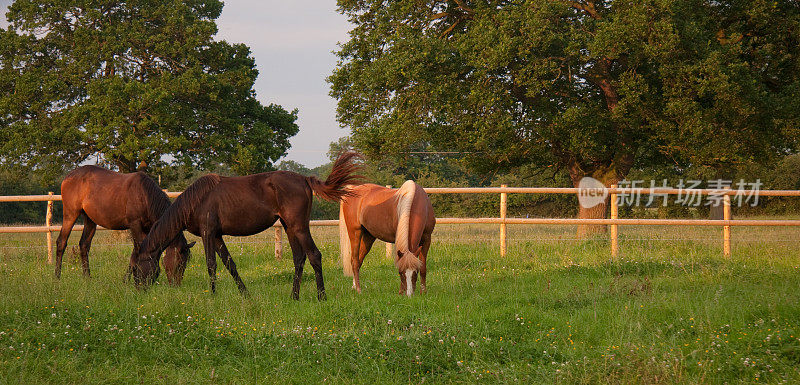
214 206
403 216
118 202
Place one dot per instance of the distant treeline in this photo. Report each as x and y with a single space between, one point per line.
25 212
444 172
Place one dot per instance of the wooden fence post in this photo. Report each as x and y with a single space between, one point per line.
48 217
389 246
503 209
726 230
613 230
278 243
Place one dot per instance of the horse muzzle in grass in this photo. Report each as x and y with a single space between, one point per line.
145 272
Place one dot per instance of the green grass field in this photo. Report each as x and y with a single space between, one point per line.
555 310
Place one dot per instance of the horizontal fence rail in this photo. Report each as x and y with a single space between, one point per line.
508 221
503 221
508 190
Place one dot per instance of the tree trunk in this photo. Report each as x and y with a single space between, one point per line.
596 212
716 211
606 176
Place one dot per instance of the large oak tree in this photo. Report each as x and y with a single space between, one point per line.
134 85
590 86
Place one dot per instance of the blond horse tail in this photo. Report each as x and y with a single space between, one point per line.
344 244
408 260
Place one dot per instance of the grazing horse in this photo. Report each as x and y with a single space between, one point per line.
403 216
118 202
214 206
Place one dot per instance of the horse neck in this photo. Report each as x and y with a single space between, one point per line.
174 219
178 242
160 237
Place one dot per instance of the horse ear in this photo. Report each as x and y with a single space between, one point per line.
189 246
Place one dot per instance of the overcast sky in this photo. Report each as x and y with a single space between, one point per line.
292 42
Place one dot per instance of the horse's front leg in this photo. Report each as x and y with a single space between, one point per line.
138 233
225 256
210 246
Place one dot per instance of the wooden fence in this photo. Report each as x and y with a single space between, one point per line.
614 221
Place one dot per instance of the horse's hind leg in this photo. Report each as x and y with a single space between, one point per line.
315 259
225 256
355 243
89 228
423 271
303 246
365 242
69 218
299 258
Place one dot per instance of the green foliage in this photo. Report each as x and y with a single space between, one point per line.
290 165
591 87
25 213
134 85
783 174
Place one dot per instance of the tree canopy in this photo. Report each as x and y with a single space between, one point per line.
134 85
592 87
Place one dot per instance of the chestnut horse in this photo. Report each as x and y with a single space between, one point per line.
214 206
403 216
119 202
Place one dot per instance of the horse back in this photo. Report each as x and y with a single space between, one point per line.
111 199
373 207
246 205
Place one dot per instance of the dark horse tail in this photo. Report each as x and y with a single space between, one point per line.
175 218
342 174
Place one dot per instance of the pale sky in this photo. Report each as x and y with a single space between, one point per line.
292 42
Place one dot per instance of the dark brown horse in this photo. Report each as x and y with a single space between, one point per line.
403 216
214 206
119 202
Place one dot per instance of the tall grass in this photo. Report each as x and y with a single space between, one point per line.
556 309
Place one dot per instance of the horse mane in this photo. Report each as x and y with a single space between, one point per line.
174 218
156 199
